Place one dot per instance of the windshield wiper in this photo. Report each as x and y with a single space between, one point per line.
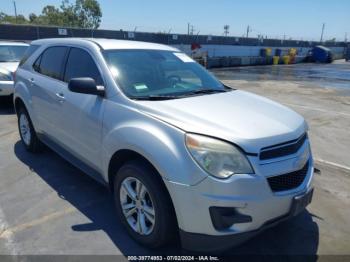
154 97
206 91
182 95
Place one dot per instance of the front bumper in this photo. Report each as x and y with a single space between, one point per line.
210 243
6 88
250 195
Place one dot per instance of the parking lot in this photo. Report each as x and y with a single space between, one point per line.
47 206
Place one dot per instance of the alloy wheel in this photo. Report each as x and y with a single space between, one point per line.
137 206
25 129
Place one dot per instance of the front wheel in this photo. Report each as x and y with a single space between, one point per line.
143 204
27 132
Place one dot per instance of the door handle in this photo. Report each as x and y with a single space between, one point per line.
60 97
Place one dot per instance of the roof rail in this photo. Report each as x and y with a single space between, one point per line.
96 43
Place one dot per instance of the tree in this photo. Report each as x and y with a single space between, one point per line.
89 13
83 14
11 19
32 17
51 16
69 14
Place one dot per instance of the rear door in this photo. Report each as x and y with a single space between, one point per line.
82 114
46 83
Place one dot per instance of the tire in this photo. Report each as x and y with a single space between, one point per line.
27 132
164 223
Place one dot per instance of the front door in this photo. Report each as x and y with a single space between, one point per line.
82 114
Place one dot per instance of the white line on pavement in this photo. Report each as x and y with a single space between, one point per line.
7 236
332 164
318 109
7 231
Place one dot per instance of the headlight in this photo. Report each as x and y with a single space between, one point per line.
5 76
216 157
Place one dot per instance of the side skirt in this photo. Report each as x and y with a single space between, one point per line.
69 157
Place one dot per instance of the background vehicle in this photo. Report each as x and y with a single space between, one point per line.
10 55
180 151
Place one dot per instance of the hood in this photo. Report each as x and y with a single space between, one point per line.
9 66
248 120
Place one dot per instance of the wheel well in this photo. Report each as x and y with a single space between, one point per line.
18 104
123 156
119 159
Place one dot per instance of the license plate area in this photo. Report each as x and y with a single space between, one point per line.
300 202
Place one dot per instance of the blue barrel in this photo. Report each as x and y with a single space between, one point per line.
322 54
278 52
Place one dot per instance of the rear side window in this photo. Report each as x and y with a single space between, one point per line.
81 64
50 63
30 50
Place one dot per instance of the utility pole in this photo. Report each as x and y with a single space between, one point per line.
248 30
226 30
192 30
188 28
346 37
14 5
323 26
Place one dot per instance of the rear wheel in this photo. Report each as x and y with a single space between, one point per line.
143 204
27 132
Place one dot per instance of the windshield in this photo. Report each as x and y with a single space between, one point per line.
10 53
155 73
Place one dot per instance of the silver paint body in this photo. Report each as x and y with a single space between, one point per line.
93 128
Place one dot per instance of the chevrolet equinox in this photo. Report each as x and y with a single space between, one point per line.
182 153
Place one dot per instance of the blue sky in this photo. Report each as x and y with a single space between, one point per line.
299 19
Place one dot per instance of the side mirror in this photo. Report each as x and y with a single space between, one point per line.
85 85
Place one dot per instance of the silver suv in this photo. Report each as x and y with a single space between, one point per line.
181 152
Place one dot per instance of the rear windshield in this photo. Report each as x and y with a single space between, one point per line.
11 53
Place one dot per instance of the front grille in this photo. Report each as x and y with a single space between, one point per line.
288 181
283 149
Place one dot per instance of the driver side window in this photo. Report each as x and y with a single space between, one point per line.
81 64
